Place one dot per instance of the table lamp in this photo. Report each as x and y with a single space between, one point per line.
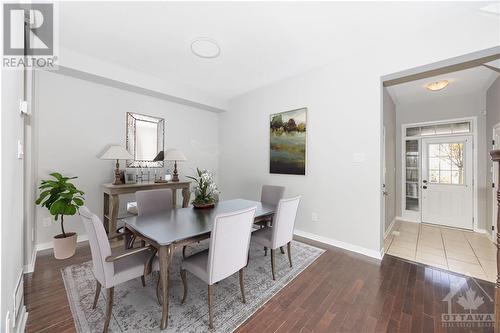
117 153
175 155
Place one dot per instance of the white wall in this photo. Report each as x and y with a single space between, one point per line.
492 118
76 119
389 115
11 202
344 194
442 108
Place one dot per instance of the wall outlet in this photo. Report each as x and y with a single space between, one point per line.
47 221
314 217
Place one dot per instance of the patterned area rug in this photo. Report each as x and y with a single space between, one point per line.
136 309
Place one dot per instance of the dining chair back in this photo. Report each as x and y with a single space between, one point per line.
99 247
153 201
229 244
284 221
271 194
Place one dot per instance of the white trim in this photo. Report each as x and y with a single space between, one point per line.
23 318
50 245
343 245
475 149
386 232
402 219
30 267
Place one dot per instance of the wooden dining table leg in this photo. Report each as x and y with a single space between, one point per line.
165 253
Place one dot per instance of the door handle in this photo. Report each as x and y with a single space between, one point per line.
424 181
424 187
385 193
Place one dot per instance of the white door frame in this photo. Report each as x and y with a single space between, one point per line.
473 121
493 192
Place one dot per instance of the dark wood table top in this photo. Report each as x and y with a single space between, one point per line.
183 223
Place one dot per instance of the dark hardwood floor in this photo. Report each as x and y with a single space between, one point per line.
340 292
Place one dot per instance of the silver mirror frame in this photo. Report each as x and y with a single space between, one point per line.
132 119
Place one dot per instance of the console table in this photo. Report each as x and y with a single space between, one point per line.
111 202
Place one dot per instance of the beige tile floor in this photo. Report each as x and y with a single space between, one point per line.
464 252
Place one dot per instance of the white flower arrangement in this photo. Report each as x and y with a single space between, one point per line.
205 191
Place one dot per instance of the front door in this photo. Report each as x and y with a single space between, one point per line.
447 191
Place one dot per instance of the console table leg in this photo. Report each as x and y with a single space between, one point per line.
106 212
174 197
114 204
186 194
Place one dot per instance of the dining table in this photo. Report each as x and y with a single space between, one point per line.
176 228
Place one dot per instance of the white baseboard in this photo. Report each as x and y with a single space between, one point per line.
50 245
23 318
399 218
30 268
343 245
386 232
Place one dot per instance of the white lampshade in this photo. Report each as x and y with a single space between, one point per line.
116 153
174 155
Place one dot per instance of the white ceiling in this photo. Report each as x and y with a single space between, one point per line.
261 42
469 81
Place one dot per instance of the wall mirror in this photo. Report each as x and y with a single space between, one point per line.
145 140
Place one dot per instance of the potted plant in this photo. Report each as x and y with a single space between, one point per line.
61 198
205 191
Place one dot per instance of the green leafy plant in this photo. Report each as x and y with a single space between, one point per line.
60 197
205 191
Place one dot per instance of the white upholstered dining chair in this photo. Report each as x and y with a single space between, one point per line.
153 201
227 253
281 232
269 195
111 270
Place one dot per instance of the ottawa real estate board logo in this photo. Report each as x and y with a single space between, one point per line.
29 36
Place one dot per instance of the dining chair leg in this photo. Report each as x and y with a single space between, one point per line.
143 280
265 251
242 286
184 284
273 263
210 319
282 250
109 308
184 252
143 243
289 250
97 292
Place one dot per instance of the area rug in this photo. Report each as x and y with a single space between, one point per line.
136 309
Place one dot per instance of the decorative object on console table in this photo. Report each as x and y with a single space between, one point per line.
175 155
117 153
495 156
205 191
61 198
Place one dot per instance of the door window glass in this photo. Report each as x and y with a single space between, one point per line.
446 163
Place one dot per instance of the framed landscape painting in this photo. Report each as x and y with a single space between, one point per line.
288 142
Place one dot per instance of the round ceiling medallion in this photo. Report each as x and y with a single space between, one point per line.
204 47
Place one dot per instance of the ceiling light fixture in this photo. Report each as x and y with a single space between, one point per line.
438 85
205 47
